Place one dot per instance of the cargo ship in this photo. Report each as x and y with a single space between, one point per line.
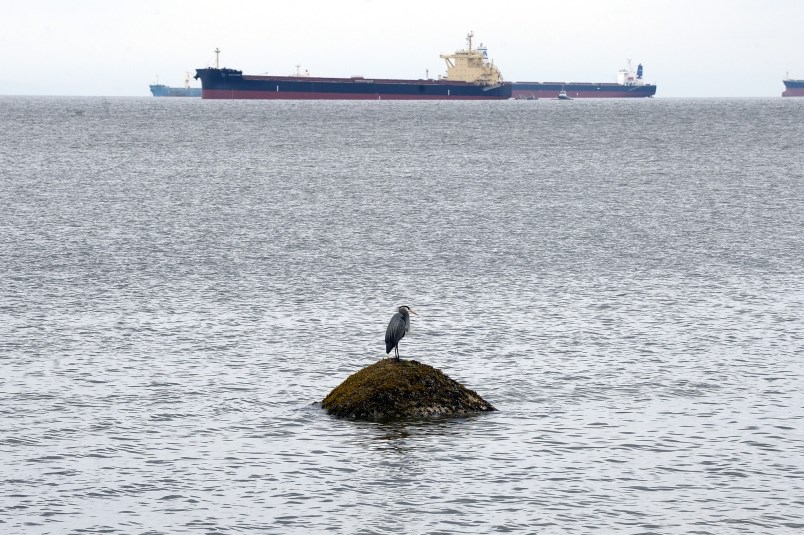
629 84
470 76
793 88
161 90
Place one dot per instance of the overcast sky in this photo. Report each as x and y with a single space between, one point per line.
690 48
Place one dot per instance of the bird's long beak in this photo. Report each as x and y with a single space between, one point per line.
413 312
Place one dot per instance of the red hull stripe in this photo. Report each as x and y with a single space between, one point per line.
795 92
304 95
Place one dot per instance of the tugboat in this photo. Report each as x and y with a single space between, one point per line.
562 95
470 76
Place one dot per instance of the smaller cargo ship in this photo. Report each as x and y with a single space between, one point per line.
793 88
629 84
470 76
161 90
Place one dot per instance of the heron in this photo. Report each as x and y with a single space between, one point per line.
397 328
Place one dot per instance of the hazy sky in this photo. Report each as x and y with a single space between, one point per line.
689 48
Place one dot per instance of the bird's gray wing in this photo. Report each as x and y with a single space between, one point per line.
395 332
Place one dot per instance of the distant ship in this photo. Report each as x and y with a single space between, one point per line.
161 90
793 88
629 85
470 76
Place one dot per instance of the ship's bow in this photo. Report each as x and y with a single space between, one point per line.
218 83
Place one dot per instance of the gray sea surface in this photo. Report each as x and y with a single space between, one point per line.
182 282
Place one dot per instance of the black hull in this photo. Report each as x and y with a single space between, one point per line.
232 84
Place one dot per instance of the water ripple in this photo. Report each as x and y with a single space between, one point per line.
175 307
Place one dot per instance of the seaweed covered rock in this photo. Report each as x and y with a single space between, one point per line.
391 389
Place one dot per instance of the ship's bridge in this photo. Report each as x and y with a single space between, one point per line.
471 65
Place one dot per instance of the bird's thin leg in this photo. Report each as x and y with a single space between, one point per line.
396 348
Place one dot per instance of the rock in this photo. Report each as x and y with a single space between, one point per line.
405 389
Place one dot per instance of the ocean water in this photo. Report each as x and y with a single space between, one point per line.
182 281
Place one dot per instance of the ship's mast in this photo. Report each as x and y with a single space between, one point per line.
469 39
217 58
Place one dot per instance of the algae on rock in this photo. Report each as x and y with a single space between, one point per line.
398 389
